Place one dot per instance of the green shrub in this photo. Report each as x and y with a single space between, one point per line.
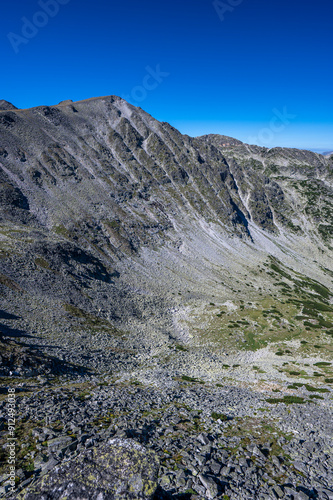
288 400
295 385
219 416
180 347
310 388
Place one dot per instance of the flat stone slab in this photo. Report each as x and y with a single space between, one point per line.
118 469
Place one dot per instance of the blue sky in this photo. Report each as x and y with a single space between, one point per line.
258 70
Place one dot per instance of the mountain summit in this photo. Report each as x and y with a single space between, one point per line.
5 105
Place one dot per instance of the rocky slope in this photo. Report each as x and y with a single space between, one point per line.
130 250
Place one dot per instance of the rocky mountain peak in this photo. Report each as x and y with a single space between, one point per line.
6 106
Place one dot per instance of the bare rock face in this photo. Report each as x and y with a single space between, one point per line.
5 105
111 222
119 469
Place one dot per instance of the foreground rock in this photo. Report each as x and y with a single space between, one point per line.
221 442
116 470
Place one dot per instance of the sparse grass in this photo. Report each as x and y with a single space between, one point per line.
259 431
9 283
39 261
94 323
61 230
28 446
104 421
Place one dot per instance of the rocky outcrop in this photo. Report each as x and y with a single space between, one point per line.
5 105
21 361
118 469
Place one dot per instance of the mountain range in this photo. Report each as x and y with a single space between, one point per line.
130 250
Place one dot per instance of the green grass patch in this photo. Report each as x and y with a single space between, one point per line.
288 400
186 378
310 388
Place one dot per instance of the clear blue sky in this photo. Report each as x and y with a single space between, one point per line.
232 73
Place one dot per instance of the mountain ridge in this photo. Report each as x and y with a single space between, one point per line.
6 105
106 178
142 269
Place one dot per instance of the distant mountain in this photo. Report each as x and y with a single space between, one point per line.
328 153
